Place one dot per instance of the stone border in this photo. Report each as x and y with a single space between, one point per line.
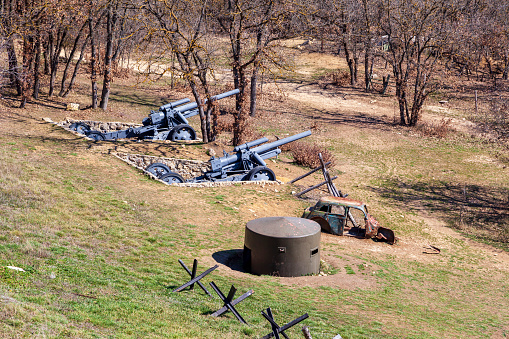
105 127
100 126
186 168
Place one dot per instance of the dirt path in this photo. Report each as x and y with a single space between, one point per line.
354 109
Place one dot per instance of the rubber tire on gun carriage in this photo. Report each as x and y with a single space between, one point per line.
96 135
158 169
80 127
261 173
182 132
172 178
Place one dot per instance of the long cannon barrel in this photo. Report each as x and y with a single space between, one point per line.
250 144
218 163
271 145
193 105
174 104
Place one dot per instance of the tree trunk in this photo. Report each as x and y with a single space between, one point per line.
47 57
26 81
110 22
505 74
37 64
93 61
13 66
203 120
349 61
368 66
55 56
241 116
239 80
385 83
77 66
69 60
401 96
254 81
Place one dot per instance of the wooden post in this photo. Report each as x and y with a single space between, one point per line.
476 107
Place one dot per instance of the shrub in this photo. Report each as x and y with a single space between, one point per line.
440 129
495 118
340 78
306 154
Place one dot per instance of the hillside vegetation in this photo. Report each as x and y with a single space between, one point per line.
99 241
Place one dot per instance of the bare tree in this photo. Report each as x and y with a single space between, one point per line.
180 27
77 39
343 22
116 17
417 33
252 28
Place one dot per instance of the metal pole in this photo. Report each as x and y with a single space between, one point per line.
313 187
308 173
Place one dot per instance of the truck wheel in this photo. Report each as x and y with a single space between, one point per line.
261 173
182 132
96 135
158 169
80 127
172 178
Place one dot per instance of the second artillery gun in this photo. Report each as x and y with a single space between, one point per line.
168 123
245 163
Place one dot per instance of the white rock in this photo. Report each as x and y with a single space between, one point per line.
6 299
16 268
72 107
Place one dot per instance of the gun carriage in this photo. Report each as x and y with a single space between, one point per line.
168 123
245 163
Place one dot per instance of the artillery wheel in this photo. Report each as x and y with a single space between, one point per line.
261 173
96 135
80 127
158 169
182 132
172 178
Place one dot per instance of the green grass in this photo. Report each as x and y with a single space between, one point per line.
100 244
99 263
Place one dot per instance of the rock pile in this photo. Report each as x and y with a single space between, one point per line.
99 125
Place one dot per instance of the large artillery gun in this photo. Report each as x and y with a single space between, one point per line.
168 123
245 163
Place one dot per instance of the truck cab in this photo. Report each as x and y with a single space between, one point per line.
336 215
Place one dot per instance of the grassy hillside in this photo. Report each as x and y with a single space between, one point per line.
100 242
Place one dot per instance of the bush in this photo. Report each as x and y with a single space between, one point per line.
439 130
496 117
338 78
306 154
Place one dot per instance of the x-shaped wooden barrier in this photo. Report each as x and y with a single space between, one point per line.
194 278
228 303
276 329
